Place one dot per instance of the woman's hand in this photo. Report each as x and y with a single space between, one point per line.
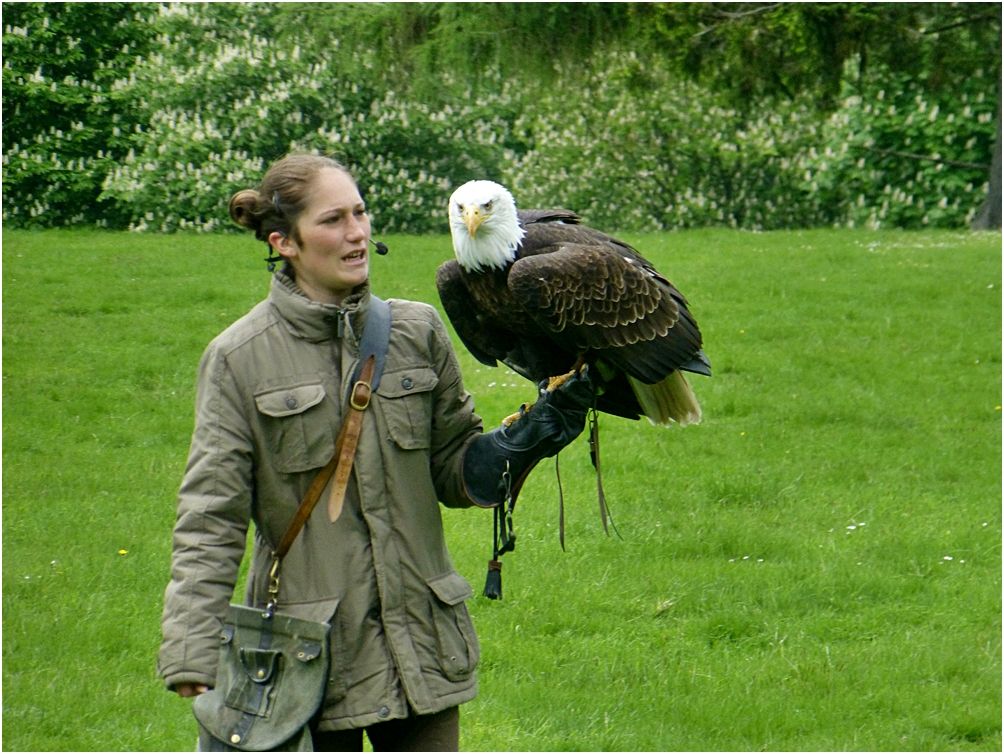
496 464
186 690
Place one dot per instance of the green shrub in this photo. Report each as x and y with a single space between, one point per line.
213 102
222 106
155 122
639 149
871 164
67 119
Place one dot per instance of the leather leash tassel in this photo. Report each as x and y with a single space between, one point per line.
359 400
561 504
594 448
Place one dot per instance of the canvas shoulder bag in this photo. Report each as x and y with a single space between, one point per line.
273 668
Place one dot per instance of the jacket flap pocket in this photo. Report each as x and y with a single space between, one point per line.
287 401
259 664
407 382
451 588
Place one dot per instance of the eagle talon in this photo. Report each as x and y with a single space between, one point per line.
555 382
523 411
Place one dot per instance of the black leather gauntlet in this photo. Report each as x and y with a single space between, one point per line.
550 424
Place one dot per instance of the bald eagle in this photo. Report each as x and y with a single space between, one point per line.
544 294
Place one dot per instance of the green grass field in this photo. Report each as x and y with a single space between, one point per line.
815 566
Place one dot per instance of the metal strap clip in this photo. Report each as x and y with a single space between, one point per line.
273 587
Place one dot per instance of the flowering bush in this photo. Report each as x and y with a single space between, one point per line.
157 124
215 102
892 157
66 120
219 115
639 149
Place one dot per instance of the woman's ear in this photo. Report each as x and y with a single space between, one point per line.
281 243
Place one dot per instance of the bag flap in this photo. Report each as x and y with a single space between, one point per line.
451 588
287 401
407 381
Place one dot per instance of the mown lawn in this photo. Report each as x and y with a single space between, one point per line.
817 565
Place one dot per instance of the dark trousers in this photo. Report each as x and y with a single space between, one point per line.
437 732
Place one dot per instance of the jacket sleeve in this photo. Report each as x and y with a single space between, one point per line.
214 508
454 423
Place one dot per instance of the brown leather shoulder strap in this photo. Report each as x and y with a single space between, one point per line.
340 464
359 400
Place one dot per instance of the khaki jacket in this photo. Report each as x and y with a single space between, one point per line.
272 391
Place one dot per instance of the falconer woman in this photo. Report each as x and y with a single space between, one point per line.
271 399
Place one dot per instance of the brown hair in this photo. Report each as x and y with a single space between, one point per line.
284 192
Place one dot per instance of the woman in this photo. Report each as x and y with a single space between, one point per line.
271 398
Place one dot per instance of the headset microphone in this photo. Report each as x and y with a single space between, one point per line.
381 247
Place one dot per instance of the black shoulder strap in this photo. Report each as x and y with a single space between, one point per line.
375 340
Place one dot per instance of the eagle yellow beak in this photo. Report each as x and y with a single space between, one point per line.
473 217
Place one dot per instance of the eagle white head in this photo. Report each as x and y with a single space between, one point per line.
484 225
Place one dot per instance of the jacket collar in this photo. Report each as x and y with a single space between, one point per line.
314 321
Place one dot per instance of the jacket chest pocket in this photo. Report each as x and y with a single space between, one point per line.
296 428
407 406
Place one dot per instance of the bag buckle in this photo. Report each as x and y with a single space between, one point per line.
363 390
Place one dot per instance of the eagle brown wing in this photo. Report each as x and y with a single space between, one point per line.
488 344
529 217
600 298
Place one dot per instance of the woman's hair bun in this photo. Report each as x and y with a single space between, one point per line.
245 209
285 191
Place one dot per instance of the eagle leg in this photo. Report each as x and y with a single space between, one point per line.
552 384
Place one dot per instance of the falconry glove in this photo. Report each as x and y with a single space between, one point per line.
497 463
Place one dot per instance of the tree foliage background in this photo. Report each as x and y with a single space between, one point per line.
640 116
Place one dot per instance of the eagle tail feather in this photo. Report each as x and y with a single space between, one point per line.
669 400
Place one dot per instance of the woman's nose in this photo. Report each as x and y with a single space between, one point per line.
355 229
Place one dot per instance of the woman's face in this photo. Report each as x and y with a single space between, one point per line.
332 256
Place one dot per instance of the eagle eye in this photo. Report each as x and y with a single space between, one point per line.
488 205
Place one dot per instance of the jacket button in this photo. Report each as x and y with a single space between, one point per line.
384 711
375 614
291 402
407 384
